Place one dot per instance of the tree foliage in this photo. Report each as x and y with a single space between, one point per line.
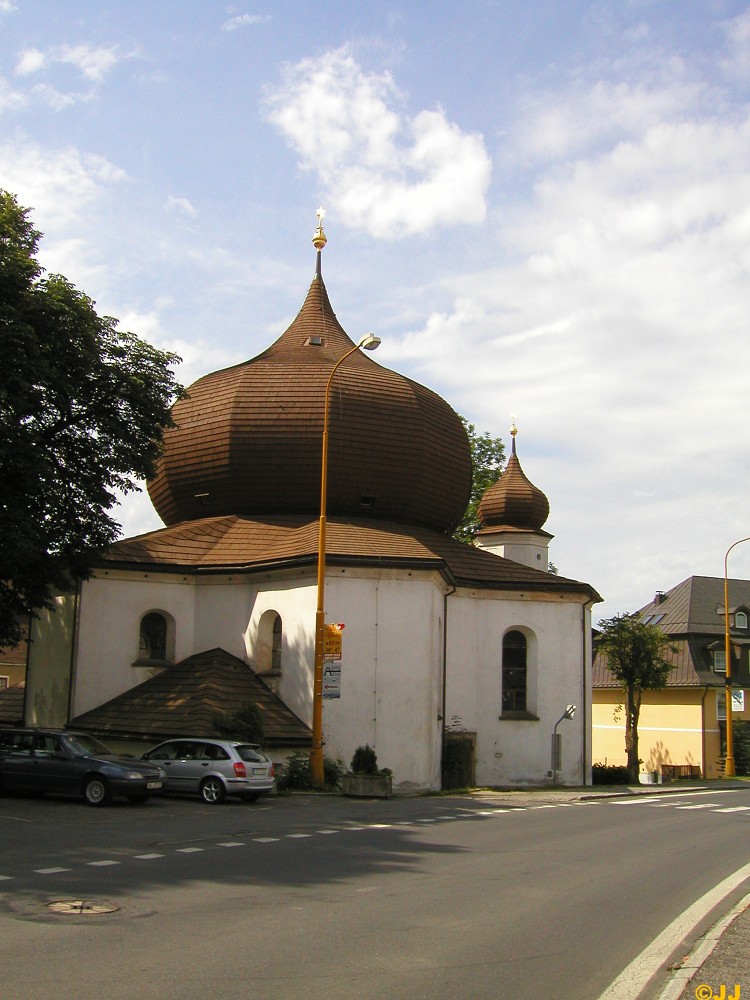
635 655
244 724
487 462
83 407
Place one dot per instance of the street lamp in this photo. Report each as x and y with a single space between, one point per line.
729 771
369 342
570 711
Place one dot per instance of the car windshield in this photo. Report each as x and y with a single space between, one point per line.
250 753
85 745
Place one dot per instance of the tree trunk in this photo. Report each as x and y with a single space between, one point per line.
632 714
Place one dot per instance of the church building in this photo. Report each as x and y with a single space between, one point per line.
439 638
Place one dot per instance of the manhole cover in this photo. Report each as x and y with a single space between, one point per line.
81 907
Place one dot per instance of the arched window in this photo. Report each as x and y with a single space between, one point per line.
155 638
276 644
514 672
740 619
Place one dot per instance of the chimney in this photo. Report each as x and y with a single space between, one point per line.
660 597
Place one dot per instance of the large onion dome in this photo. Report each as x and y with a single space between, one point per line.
248 439
513 501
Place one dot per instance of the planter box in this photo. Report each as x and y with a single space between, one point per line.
367 786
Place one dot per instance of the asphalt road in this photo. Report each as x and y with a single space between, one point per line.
324 897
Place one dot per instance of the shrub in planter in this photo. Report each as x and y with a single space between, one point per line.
364 761
366 779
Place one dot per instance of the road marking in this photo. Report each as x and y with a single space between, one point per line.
699 805
189 850
231 843
6 878
326 832
732 809
148 857
101 864
51 871
633 979
298 836
265 840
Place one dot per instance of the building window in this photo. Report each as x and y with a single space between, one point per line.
514 672
740 619
276 644
155 639
720 661
4 682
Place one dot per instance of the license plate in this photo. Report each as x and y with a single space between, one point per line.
259 770
153 784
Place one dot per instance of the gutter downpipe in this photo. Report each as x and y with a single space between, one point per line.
587 652
446 595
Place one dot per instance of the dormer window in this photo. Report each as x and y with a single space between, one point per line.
740 619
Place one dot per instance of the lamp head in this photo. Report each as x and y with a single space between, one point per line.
570 711
369 342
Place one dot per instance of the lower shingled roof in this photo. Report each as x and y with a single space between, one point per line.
244 544
183 700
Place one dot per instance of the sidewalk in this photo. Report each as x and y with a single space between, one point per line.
718 966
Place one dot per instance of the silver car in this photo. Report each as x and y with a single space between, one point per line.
214 768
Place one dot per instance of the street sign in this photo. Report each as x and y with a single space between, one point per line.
332 679
332 641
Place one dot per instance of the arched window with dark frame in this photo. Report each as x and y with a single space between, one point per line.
153 637
514 671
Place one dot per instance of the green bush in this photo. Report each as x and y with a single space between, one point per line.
296 776
364 761
609 774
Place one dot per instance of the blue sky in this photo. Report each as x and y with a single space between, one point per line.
543 208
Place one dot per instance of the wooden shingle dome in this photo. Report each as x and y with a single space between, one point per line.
513 501
247 439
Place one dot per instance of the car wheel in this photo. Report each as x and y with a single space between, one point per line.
138 799
213 791
250 796
96 791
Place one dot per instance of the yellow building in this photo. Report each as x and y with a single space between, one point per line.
682 728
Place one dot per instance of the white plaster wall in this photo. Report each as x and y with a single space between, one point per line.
295 601
48 680
111 609
390 673
517 751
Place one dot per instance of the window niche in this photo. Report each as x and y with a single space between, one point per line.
516 676
155 640
269 649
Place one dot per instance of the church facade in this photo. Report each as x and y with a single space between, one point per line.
439 638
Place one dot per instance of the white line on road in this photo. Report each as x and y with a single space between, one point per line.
633 979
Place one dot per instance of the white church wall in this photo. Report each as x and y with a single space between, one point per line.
295 602
390 673
106 652
50 662
222 606
516 751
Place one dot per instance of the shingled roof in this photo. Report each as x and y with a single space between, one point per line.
692 615
183 700
244 544
248 439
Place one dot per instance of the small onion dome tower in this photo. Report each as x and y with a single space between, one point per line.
247 440
512 513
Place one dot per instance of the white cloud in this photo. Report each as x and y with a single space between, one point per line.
245 21
57 183
6 6
383 172
181 205
93 62
737 61
30 61
10 100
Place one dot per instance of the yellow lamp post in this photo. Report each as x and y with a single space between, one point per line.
729 771
369 342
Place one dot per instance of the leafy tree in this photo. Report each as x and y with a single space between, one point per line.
487 461
83 407
635 655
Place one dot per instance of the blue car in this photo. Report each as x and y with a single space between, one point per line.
66 763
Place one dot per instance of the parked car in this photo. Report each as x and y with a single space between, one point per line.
68 763
214 768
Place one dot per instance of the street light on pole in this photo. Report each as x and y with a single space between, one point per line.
570 711
729 771
369 342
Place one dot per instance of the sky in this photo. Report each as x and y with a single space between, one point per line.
542 208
